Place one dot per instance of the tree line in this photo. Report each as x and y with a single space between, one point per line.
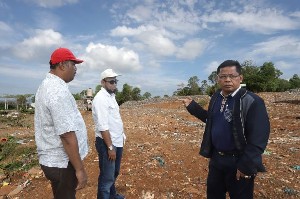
265 78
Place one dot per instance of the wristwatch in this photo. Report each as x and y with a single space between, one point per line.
111 147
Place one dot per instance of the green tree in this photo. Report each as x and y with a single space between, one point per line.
21 101
77 96
147 95
82 93
33 99
194 86
97 89
136 94
251 76
125 95
283 85
214 84
269 75
179 90
295 81
204 86
213 77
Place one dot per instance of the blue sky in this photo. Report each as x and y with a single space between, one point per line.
156 45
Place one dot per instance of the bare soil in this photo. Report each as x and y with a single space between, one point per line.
161 157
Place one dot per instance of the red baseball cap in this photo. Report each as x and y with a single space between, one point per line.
63 54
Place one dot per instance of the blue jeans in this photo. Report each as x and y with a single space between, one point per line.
109 170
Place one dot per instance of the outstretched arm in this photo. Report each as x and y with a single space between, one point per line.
195 109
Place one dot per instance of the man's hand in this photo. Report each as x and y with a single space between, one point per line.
82 178
186 101
112 155
240 175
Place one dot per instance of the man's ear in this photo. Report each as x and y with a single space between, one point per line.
61 66
241 78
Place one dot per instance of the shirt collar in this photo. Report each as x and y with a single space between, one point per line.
107 93
233 93
52 76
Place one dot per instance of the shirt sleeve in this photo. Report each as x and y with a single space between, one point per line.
62 108
101 112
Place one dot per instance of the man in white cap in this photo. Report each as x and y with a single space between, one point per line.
60 131
109 135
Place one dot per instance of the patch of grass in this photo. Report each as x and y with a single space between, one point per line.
16 120
7 147
16 157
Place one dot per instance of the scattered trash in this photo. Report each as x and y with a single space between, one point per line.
147 195
5 183
160 160
19 188
290 191
296 167
267 152
294 149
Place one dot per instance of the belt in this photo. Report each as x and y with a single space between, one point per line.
228 153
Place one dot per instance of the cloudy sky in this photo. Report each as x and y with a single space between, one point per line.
155 44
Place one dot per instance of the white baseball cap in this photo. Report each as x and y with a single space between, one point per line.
108 73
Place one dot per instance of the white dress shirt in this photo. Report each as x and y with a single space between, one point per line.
106 115
56 113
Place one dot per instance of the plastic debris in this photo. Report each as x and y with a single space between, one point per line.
290 191
296 167
160 160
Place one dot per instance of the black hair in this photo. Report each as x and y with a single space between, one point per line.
230 63
53 66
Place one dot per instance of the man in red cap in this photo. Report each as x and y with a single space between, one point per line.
60 131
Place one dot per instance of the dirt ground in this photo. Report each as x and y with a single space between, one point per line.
161 155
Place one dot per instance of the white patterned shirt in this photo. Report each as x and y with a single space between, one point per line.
106 115
56 113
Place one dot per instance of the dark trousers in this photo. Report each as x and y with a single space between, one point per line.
109 170
222 178
63 181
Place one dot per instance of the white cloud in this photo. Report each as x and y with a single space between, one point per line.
99 56
264 21
212 66
191 49
126 31
282 46
172 15
148 82
52 3
46 20
289 68
158 44
295 14
39 43
140 13
6 33
14 72
4 27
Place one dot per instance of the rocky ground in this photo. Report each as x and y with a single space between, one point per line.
161 153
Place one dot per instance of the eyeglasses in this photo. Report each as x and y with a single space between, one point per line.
231 76
113 81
